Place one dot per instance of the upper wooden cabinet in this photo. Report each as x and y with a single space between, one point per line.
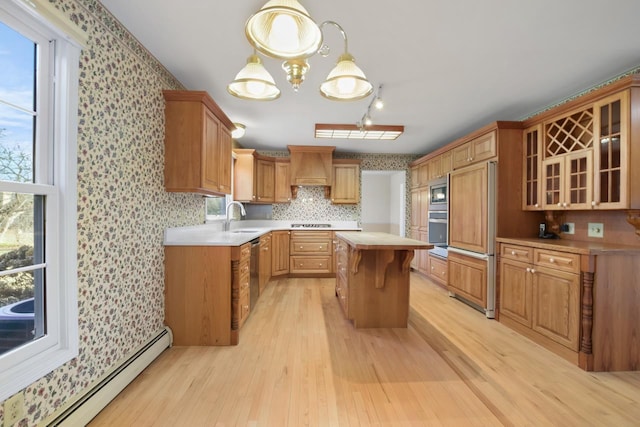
346 181
476 150
197 144
311 165
532 174
585 151
283 180
254 177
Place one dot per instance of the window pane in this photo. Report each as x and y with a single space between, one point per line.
17 74
16 145
21 293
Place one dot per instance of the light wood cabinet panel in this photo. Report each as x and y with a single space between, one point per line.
283 180
446 163
474 151
206 293
423 256
197 144
532 182
437 269
280 252
468 210
467 277
516 297
264 273
311 165
556 299
254 177
311 252
345 188
423 174
265 180
414 171
424 209
415 208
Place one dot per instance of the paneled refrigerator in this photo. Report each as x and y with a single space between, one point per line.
472 232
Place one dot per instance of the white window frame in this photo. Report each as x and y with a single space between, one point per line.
56 135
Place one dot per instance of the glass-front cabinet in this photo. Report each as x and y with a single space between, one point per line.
611 124
532 199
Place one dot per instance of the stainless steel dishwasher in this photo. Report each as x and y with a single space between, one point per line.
254 286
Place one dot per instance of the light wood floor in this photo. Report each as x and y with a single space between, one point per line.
299 362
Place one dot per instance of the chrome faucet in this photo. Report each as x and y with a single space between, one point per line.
242 213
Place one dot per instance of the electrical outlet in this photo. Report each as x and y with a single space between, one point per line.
13 409
596 229
569 228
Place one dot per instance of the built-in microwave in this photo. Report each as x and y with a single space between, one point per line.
438 195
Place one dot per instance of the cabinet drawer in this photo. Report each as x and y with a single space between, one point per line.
306 247
243 268
245 251
326 234
516 253
557 260
306 264
438 269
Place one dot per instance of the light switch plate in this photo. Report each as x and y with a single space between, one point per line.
570 228
595 229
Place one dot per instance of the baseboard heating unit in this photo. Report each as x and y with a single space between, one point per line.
92 401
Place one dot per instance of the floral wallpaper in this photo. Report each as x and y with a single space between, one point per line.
122 206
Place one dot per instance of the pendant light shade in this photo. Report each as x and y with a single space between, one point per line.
346 82
254 82
283 29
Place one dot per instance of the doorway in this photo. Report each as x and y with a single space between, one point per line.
383 201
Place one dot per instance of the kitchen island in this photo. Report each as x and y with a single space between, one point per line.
372 278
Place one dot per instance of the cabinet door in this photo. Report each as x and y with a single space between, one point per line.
516 296
467 277
568 181
532 185
264 273
483 147
210 152
346 184
446 165
424 209
279 252
224 160
611 132
414 177
437 269
283 182
415 208
423 256
265 181
556 298
468 208
461 155
423 174
434 168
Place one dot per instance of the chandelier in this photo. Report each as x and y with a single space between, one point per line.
283 29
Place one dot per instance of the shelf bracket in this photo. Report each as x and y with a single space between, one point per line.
633 218
383 259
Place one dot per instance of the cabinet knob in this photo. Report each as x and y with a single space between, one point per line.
536 205
551 260
565 204
513 253
528 270
432 268
559 204
300 247
594 203
533 271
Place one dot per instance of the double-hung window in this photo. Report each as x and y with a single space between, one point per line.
38 126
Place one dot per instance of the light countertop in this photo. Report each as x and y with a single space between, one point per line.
240 232
385 241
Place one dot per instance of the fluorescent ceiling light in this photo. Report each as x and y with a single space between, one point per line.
373 132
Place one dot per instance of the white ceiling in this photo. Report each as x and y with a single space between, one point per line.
447 67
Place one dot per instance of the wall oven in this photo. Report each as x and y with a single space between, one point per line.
438 217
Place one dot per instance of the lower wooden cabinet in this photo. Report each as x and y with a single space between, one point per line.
280 252
467 277
207 293
538 296
311 252
264 273
437 269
